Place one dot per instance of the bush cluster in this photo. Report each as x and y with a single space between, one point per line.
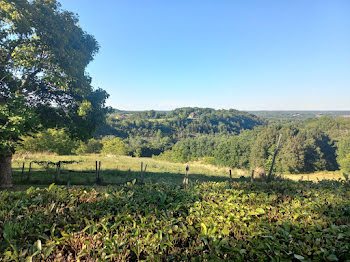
58 141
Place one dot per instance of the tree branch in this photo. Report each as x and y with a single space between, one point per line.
12 49
30 76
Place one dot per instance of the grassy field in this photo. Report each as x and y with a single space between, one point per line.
317 176
122 169
114 170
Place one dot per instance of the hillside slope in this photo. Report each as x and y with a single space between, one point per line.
178 123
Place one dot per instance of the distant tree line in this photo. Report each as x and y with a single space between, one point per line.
307 146
179 123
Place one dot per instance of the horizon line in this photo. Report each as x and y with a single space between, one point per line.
247 110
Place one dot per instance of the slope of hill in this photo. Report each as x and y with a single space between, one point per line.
178 123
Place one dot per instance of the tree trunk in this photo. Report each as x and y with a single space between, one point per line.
5 170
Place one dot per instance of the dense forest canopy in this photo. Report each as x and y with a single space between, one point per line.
307 146
179 123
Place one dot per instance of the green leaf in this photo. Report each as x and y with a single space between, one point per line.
38 244
299 257
204 230
332 257
51 186
48 251
260 211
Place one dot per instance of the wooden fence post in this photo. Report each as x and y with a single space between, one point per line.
96 172
185 181
22 168
141 180
230 178
99 169
58 171
252 177
142 173
29 170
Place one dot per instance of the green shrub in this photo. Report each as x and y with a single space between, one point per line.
344 154
51 140
114 146
92 146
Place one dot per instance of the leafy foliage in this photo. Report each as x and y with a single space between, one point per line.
344 154
149 133
91 146
285 220
114 146
51 140
302 150
43 56
15 119
235 150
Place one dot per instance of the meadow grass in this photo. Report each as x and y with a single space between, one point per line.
123 169
317 176
114 170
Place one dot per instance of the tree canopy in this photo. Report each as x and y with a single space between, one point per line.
43 83
43 54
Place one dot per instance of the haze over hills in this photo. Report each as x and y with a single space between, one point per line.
266 114
291 115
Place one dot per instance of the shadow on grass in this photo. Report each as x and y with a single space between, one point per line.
109 177
282 188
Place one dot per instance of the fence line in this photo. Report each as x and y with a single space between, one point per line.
57 168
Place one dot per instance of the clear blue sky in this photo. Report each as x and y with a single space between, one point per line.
248 55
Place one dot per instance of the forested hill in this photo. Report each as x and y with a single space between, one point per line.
178 123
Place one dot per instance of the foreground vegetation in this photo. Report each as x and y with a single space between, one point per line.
280 221
162 220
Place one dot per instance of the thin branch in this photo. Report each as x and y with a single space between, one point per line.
30 76
12 49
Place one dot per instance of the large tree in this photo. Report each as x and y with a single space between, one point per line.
43 82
